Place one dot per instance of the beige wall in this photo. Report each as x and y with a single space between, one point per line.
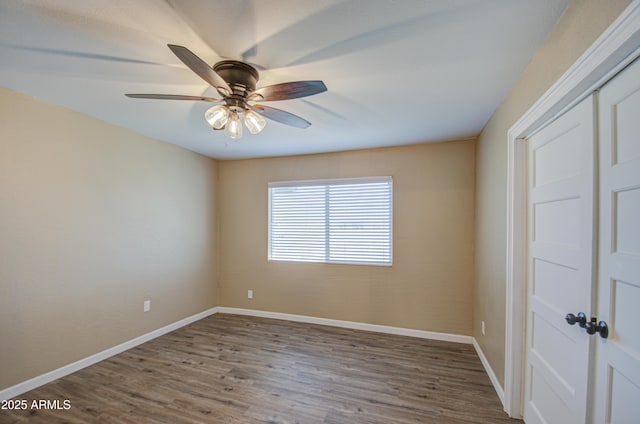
579 26
95 219
429 286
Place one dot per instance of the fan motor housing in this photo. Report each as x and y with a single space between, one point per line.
242 79
238 75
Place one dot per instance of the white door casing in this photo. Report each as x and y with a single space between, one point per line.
618 357
560 262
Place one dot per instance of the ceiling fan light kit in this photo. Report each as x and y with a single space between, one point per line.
217 116
233 128
236 82
254 122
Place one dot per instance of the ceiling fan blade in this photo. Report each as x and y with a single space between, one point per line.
201 68
281 116
173 97
288 90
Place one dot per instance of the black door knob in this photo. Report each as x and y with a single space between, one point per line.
580 319
601 328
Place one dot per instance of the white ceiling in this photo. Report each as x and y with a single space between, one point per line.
398 71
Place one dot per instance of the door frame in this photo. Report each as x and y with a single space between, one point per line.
616 48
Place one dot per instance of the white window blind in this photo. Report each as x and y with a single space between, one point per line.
334 221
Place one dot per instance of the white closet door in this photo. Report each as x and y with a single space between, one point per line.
560 261
618 361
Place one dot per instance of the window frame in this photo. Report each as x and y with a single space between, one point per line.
326 182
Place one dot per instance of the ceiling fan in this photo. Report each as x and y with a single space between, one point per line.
236 82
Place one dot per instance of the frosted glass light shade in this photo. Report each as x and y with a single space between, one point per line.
217 116
234 126
254 122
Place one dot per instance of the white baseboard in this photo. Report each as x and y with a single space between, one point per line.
492 375
40 380
447 337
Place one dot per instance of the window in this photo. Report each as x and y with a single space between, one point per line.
347 221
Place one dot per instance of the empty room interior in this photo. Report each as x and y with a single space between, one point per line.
333 211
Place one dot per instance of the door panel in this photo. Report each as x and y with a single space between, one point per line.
626 229
626 301
618 362
547 399
560 261
557 283
554 161
554 222
624 117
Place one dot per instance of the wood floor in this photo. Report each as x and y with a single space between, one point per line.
237 369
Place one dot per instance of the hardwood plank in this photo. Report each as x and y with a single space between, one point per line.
237 369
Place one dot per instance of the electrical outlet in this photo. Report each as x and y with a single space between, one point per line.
249 294
146 306
482 327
